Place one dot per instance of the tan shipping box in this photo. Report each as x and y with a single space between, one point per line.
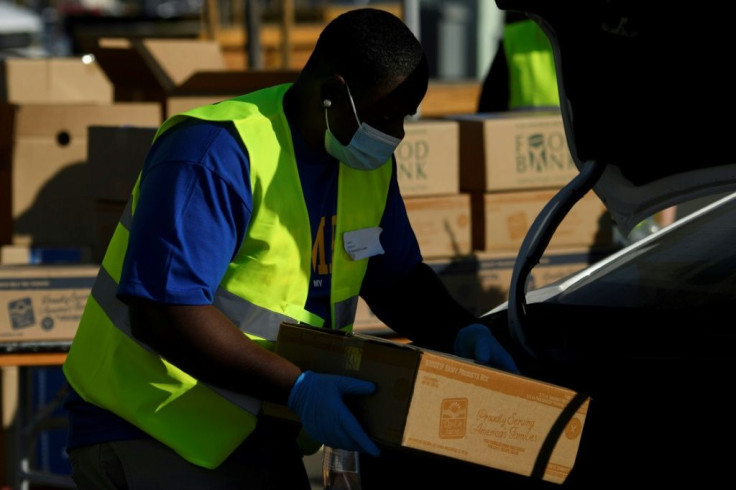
501 220
442 224
46 190
65 80
115 158
513 151
428 158
41 303
179 74
446 405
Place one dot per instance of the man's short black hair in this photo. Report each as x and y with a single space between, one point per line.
368 47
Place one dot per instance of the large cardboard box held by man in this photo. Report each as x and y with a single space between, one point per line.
42 302
442 404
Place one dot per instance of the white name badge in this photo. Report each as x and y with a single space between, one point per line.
363 243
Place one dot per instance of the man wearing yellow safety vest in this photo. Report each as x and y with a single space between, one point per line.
280 204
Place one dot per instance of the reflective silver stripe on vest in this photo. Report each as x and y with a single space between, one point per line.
345 312
104 291
250 318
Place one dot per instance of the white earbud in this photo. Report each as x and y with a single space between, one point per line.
327 103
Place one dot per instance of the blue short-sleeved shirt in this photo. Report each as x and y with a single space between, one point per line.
194 209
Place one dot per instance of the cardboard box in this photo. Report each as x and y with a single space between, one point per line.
428 158
160 65
442 404
47 198
513 151
481 281
448 98
43 302
442 224
501 220
115 155
61 80
177 73
24 254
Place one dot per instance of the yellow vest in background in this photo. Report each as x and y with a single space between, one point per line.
531 64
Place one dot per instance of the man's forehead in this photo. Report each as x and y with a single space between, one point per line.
403 93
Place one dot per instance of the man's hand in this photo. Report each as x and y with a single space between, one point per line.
317 399
478 343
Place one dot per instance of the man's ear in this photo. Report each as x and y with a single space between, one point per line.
332 89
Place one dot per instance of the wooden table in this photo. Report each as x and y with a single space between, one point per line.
33 359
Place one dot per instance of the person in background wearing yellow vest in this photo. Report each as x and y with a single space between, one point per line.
280 204
522 74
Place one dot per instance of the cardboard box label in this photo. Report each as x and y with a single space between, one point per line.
43 302
483 416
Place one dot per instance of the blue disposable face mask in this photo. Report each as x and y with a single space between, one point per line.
368 149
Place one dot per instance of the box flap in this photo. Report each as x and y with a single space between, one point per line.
127 70
232 82
165 67
173 61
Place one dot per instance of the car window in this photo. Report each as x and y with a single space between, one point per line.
691 264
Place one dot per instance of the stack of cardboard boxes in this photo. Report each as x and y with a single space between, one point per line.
46 211
46 189
47 106
513 164
473 185
179 74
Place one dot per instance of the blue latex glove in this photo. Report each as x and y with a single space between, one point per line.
317 399
478 343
